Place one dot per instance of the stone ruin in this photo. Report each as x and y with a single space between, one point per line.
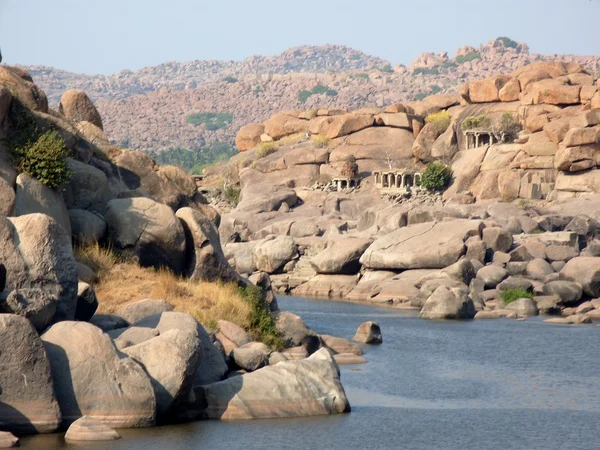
398 182
349 177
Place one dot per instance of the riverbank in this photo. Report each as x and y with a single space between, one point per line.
452 385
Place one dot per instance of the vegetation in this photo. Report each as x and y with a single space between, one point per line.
436 176
230 80
426 71
508 128
304 95
232 194
511 295
435 89
320 141
440 120
211 121
387 69
468 57
44 159
473 122
508 42
265 149
421 96
449 64
362 76
262 323
194 161
258 90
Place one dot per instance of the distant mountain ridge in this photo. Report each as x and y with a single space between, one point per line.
149 109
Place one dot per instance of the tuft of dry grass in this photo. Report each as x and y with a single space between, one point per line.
101 260
320 141
291 139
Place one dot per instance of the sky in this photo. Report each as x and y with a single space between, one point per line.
107 36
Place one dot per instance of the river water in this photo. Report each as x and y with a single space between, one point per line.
496 384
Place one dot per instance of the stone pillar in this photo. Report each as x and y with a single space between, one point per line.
476 140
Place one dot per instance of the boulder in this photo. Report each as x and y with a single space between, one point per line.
87 303
76 106
212 366
130 336
569 292
231 336
86 227
88 188
560 253
28 404
337 126
35 304
513 282
487 90
23 89
204 257
249 136
581 136
281 125
576 159
585 271
523 307
140 309
148 231
422 246
36 252
8 440
171 360
91 378
249 359
553 92
309 387
539 269
341 346
498 239
368 333
272 255
34 197
445 303
88 429
295 333
239 255
492 276
108 322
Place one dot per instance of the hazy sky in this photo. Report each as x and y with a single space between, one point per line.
106 36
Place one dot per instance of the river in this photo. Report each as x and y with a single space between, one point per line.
497 384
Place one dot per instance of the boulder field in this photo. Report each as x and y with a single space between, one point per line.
65 366
519 215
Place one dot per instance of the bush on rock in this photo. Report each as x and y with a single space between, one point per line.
436 177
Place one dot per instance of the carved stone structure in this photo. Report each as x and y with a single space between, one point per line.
397 182
479 138
348 178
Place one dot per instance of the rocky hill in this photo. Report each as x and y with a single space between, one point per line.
150 109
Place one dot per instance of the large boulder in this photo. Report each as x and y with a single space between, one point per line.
341 256
86 227
35 304
282 124
448 303
337 126
140 309
423 246
27 401
249 136
231 336
23 89
88 188
212 366
36 252
368 333
294 332
487 90
586 272
171 360
76 106
148 231
91 378
204 256
523 307
32 196
303 388
272 255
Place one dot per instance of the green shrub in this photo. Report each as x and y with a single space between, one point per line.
508 42
436 177
331 93
258 90
511 295
196 159
230 80
473 122
468 57
45 159
262 324
304 95
387 69
421 96
362 76
232 195
318 89
449 64
211 121
440 120
508 128
434 89
265 149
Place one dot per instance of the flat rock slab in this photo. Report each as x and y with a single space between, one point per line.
428 245
88 429
8 440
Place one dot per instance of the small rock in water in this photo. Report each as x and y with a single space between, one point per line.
368 333
88 429
8 440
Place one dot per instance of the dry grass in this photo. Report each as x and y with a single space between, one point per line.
123 282
320 141
292 139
